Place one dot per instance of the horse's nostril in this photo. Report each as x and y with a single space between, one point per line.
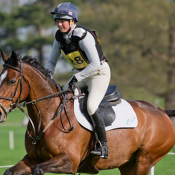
0 113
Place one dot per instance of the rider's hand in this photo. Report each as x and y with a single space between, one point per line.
72 83
50 74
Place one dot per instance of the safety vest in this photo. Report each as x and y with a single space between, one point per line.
72 52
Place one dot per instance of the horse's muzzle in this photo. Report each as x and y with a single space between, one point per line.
2 117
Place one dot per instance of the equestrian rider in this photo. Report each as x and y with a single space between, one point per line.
81 48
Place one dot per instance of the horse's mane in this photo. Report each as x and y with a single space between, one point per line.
34 63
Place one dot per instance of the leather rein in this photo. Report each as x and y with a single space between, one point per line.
17 104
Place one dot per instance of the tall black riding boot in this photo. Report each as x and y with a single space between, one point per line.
99 126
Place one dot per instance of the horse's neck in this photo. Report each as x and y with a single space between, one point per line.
41 87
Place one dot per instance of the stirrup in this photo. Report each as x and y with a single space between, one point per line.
101 151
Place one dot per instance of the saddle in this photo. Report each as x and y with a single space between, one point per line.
112 97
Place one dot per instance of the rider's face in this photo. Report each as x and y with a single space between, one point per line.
63 25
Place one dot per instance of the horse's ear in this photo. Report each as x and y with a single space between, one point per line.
4 56
14 59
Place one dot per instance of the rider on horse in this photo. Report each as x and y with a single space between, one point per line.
81 48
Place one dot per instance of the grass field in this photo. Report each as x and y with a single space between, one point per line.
10 157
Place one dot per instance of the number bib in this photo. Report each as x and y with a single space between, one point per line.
75 59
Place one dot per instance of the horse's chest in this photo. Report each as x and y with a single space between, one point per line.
40 150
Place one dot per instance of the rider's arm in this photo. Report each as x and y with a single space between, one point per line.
87 44
55 53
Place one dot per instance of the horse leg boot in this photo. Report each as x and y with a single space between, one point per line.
99 127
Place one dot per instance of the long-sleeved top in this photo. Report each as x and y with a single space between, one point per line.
88 44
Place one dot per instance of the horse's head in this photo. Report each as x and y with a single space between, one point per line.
13 85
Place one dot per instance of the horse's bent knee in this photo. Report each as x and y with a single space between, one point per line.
7 172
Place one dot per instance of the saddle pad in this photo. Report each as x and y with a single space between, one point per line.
125 116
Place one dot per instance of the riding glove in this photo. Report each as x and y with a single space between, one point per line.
50 74
72 83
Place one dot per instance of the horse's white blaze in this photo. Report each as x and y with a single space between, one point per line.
3 76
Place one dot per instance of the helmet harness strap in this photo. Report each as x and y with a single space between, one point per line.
71 25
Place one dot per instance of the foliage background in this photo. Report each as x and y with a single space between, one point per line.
137 36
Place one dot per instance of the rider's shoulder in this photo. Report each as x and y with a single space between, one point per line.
79 33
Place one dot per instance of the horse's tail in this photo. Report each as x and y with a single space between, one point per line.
170 113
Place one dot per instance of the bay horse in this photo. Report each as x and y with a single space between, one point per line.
55 142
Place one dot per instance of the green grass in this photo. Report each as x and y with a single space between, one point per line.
10 157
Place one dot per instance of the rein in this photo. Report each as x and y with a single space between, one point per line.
16 104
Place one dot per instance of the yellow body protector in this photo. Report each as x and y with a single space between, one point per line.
75 59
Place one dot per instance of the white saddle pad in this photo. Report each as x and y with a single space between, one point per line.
125 116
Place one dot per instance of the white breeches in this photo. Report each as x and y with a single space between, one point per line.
97 85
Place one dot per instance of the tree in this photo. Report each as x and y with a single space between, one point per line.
137 37
35 20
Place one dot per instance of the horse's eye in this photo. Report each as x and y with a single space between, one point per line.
12 81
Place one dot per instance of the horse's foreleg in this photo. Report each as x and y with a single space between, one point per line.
59 164
22 167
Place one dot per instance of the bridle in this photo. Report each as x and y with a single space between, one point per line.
13 105
17 104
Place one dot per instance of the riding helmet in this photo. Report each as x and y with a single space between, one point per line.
65 11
